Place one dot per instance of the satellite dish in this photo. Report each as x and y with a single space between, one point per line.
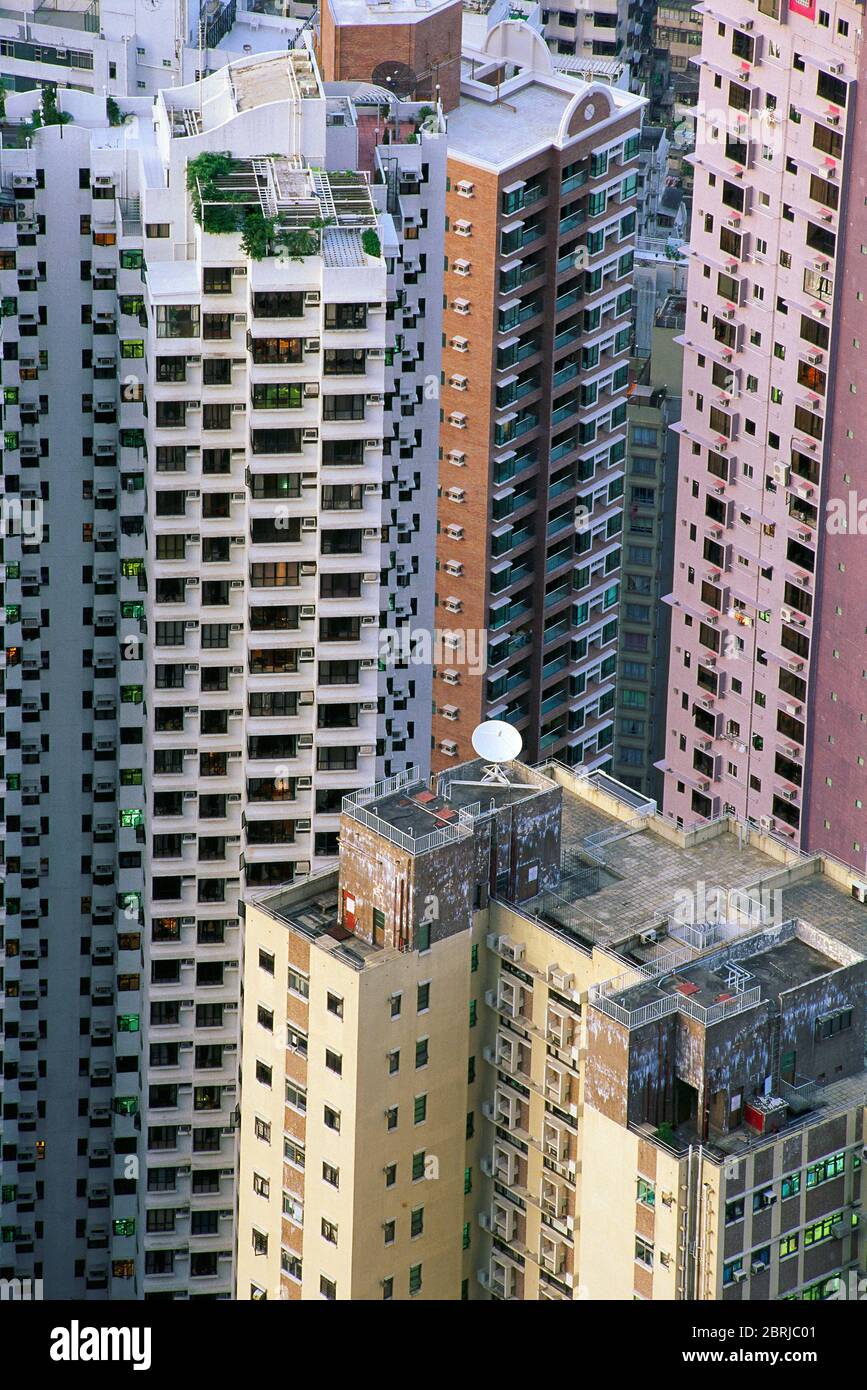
396 77
497 742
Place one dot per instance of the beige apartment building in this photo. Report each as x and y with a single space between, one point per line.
531 1040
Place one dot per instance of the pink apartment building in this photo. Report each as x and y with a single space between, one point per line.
767 710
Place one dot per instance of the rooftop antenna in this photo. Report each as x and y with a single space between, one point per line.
496 742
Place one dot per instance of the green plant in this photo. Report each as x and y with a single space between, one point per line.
257 233
665 1133
202 174
114 113
298 243
51 115
370 242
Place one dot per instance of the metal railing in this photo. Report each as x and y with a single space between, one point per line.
412 844
675 1003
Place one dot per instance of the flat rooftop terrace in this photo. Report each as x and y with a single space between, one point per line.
311 908
761 963
502 133
648 871
418 817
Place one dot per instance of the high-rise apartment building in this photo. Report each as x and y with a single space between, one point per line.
540 236
129 48
533 1041
766 716
232 465
648 538
540 244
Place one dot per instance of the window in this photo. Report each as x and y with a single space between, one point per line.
394 1001
177 320
643 1252
416 1222
327 1287
419 1114
261 1186
393 1062
263 1073
299 984
789 1245
830 1024
296 1097
825 1170
422 998
266 961
418 1165
265 1017
790 1186
422 1054
334 1061
329 1231
330 1174
414 1279
331 1118
822 1230
646 1192
390 1174
335 1004
293 1152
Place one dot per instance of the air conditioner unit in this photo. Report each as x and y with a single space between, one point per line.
311 297
859 891
738 1276
304 784
307 610
239 318
781 473
766 822
308 523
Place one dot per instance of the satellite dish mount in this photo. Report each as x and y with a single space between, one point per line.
497 742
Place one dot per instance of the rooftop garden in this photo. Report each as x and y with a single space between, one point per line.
276 208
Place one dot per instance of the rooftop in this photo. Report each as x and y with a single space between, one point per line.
740 974
386 11
295 196
628 877
503 133
311 908
515 95
408 812
243 85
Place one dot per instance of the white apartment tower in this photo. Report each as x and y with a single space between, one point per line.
231 413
